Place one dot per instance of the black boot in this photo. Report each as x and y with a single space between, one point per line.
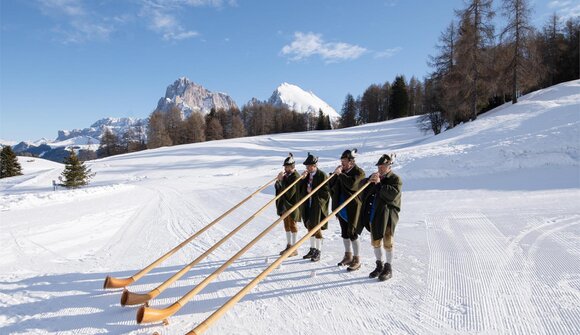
387 272
309 254
315 255
377 271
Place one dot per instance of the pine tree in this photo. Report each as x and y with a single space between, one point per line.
9 166
348 117
320 121
75 172
399 98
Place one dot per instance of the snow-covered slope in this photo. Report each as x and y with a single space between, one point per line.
298 100
488 241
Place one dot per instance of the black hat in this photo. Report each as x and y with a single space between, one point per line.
385 159
349 154
310 160
289 160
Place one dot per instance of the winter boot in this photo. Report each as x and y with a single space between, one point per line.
309 254
287 247
377 271
315 255
387 272
355 264
346 260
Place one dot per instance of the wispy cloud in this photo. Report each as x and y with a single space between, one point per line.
388 53
78 21
306 45
565 9
163 15
67 7
163 22
79 24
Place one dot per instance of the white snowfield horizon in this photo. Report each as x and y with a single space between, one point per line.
488 240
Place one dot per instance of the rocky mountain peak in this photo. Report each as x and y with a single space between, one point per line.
191 97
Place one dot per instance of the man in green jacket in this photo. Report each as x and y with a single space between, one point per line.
344 185
315 209
380 214
288 200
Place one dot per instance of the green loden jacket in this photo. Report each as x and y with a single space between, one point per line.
316 210
341 188
290 198
387 195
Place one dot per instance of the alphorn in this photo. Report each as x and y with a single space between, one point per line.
112 282
130 298
147 314
202 327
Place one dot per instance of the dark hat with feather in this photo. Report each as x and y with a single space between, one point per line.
349 154
310 160
289 160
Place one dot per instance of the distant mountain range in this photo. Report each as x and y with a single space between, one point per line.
184 94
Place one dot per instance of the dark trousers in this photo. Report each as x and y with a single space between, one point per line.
345 229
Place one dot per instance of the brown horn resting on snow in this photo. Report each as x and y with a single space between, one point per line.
130 298
111 282
147 314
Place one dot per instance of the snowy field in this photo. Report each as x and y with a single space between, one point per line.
488 241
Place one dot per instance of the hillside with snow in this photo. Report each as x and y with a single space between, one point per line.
488 240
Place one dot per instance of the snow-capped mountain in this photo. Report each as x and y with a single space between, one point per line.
191 97
298 100
87 138
117 126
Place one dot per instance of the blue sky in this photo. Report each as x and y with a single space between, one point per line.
67 63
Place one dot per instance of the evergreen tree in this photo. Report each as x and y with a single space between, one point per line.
348 117
327 123
385 101
75 172
571 56
9 166
399 106
320 121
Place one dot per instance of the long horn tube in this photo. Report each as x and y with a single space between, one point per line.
130 298
147 314
202 327
112 282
